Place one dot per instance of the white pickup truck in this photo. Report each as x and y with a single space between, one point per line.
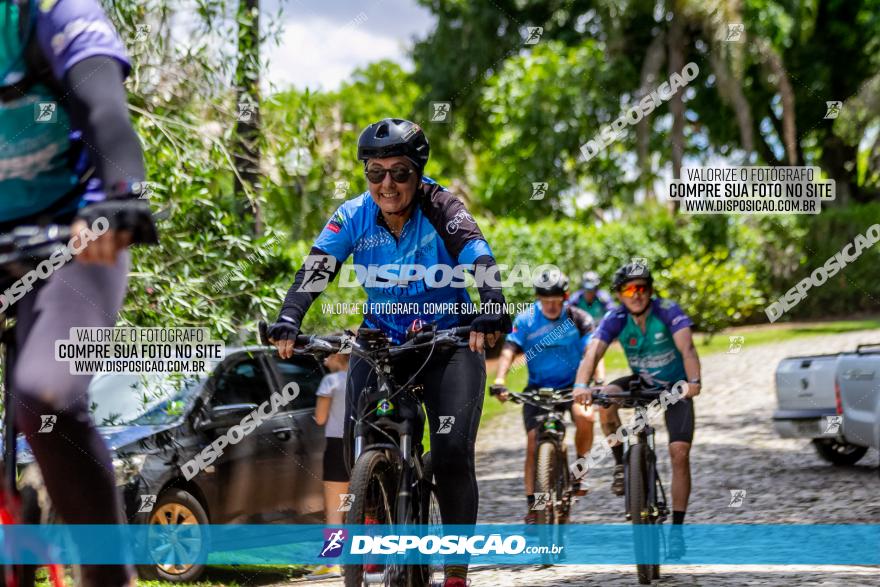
809 406
858 377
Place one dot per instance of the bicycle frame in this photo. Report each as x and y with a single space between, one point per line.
656 495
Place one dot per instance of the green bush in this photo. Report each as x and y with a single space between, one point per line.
713 289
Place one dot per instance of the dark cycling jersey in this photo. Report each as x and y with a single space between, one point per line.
651 354
440 236
42 157
553 348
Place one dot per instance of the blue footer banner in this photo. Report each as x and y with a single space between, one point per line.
505 544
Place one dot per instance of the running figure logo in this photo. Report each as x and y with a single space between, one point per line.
141 33
833 423
736 345
541 501
45 112
334 540
735 32
341 190
641 265
147 503
47 423
318 269
246 112
539 190
736 498
534 35
440 111
346 500
833 109
446 423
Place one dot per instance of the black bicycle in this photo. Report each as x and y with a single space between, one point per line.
645 497
554 483
392 481
21 251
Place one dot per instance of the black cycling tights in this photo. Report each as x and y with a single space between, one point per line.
454 383
73 458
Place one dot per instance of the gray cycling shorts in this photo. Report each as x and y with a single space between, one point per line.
76 295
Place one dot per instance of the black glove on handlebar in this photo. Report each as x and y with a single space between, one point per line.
489 323
131 215
497 389
284 329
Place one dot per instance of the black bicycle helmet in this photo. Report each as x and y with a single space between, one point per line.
631 272
551 282
393 137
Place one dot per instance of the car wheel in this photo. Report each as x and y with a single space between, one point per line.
173 540
839 453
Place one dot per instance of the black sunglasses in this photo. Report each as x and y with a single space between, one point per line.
399 173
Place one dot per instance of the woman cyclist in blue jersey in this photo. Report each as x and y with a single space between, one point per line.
407 220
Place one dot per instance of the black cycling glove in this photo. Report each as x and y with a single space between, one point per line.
496 319
130 215
284 329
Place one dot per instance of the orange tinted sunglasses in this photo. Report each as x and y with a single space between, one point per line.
631 290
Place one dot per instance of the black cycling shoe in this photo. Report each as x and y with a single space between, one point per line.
677 547
617 484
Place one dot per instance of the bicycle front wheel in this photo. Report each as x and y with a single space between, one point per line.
429 517
545 482
637 506
373 483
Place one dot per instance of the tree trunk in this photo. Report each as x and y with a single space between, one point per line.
247 129
649 78
676 44
789 131
836 156
731 92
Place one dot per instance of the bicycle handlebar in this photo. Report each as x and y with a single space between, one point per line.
335 343
28 245
536 398
638 396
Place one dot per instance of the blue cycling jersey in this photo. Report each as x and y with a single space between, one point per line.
440 233
553 348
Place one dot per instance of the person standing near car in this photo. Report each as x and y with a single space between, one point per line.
406 220
69 155
330 413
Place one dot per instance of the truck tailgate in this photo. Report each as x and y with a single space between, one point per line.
859 377
806 384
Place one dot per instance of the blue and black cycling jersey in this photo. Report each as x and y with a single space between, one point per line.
440 235
553 348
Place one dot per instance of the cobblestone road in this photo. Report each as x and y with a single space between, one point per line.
734 448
